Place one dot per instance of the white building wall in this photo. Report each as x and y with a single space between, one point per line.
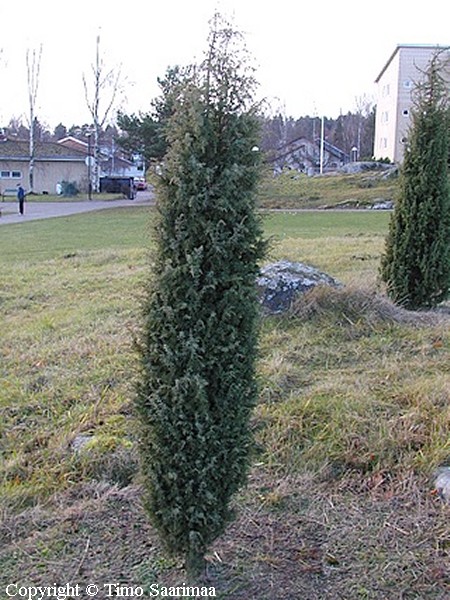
386 113
400 76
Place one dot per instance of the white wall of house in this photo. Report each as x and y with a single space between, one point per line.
395 85
47 174
386 113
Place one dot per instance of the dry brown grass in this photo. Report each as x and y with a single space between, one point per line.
352 383
294 538
352 420
353 305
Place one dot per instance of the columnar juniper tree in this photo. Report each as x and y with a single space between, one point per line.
199 345
416 264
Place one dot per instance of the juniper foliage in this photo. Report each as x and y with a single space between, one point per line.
198 385
416 263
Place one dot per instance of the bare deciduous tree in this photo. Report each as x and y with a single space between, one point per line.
33 62
101 94
364 107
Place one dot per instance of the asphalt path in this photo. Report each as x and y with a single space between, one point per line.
47 210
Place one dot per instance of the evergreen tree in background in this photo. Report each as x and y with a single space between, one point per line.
416 264
198 352
146 133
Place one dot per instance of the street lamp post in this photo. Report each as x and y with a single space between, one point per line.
322 142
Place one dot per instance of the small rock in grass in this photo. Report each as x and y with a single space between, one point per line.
281 282
442 483
80 442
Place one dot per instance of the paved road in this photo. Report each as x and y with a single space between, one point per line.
46 210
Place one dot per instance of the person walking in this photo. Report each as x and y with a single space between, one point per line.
21 198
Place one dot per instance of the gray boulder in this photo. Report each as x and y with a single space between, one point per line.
442 483
381 204
363 166
281 282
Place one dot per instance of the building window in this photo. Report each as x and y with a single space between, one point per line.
10 174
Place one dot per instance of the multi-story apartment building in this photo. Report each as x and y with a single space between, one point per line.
395 84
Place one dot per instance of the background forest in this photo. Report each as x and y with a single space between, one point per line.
347 131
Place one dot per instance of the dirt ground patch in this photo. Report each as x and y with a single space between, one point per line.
292 539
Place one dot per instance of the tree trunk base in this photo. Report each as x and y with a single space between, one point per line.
195 566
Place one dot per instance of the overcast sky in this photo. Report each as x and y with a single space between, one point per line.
312 57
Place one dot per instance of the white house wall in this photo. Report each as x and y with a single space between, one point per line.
46 174
386 113
413 63
395 86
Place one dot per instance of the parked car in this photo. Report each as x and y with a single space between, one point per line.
140 183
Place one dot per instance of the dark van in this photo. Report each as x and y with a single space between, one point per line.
118 185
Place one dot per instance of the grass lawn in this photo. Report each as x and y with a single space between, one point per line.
115 229
292 190
352 420
77 198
